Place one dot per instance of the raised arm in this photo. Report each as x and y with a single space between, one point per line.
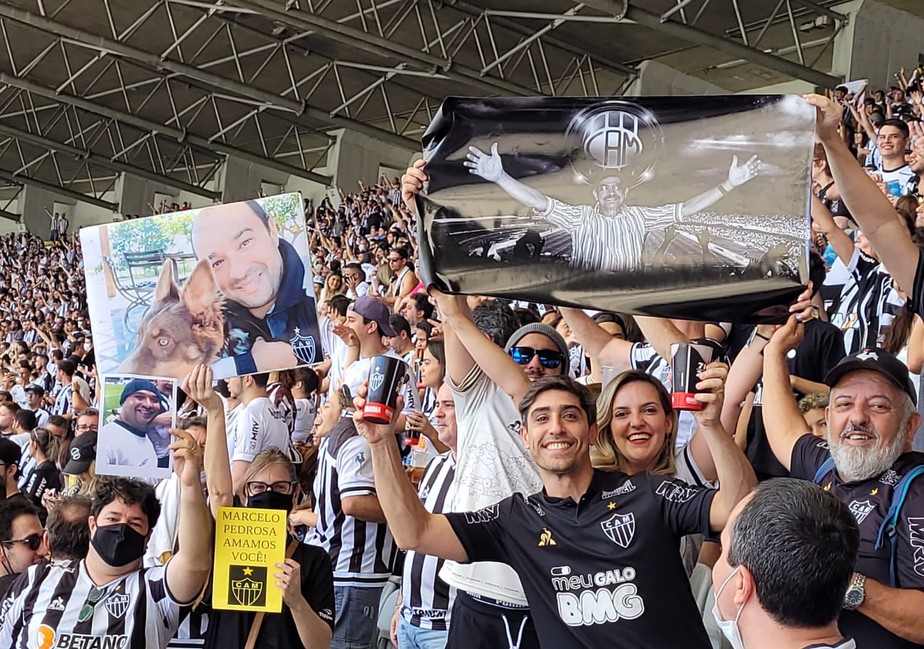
198 386
737 176
661 333
872 210
823 219
493 360
490 167
413 527
189 568
458 361
744 372
783 421
735 475
597 343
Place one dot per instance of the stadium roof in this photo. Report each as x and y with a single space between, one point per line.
166 89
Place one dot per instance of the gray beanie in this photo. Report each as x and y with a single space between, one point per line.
545 330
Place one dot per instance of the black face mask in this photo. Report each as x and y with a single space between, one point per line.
271 500
118 545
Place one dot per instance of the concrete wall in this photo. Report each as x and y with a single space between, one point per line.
881 40
359 157
658 79
239 180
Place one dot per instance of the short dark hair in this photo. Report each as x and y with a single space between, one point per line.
67 366
129 491
897 123
26 419
196 420
401 251
58 420
68 529
399 323
12 406
800 544
260 379
308 378
340 304
564 384
496 320
10 510
422 303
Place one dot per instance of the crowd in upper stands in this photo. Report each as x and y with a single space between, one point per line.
570 409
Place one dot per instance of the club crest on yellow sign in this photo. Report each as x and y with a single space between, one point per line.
248 544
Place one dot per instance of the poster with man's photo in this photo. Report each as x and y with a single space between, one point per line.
134 433
228 286
689 207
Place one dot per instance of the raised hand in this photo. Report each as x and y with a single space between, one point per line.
198 387
412 183
487 165
740 174
710 390
828 116
373 433
187 457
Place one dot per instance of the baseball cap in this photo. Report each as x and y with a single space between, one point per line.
83 452
36 388
877 360
374 309
10 453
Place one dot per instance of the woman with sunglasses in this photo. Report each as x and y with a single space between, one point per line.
637 426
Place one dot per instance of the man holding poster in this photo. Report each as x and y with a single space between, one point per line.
608 235
269 302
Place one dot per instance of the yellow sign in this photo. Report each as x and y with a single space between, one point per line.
248 545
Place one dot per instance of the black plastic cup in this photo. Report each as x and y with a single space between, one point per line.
386 374
687 361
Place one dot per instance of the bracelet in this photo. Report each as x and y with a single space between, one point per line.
722 189
759 335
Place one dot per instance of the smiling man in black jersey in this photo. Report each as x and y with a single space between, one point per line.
596 552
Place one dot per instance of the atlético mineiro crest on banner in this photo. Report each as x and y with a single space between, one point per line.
620 528
376 379
303 346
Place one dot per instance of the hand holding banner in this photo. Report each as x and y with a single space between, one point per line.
248 545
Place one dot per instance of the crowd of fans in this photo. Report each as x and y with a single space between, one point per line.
544 490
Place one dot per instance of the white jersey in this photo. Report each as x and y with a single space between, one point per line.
120 450
492 464
259 426
43 609
306 410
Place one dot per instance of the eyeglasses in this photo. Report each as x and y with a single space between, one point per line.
84 427
548 358
284 488
33 541
86 612
391 259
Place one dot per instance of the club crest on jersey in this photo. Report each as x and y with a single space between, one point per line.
620 528
303 346
376 379
861 509
117 604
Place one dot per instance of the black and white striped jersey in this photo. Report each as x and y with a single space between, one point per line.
361 553
57 605
424 595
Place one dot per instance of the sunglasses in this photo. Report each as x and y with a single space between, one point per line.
548 358
33 541
86 611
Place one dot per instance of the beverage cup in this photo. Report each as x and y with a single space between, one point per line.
687 361
386 374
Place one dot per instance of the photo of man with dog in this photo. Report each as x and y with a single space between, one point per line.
225 285
138 414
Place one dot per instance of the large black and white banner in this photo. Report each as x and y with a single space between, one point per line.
692 207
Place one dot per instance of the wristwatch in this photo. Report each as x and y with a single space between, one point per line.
856 592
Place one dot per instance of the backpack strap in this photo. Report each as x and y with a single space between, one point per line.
826 467
889 528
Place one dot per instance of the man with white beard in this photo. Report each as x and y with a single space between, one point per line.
868 464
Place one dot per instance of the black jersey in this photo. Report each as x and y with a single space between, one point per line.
605 571
869 501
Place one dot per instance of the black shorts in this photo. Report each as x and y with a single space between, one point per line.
475 624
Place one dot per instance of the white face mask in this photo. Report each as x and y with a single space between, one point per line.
729 628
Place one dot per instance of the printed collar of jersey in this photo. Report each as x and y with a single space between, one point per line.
600 480
134 431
